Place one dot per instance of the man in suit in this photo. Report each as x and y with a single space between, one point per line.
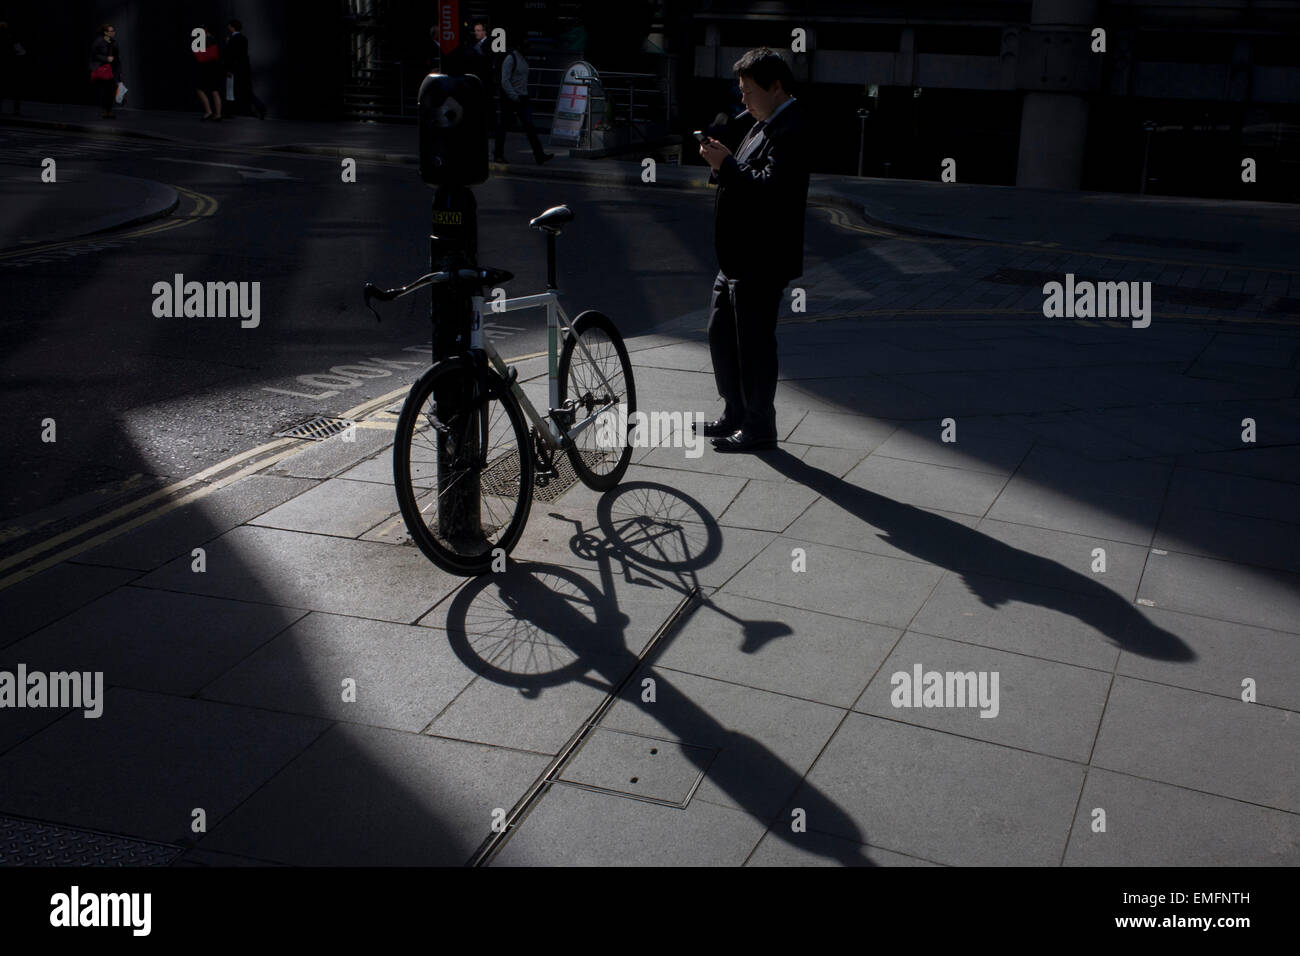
758 236
241 69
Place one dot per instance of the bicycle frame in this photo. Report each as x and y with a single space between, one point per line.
557 322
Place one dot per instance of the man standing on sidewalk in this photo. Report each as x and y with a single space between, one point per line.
758 236
514 101
240 69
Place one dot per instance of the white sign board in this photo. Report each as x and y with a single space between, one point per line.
572 104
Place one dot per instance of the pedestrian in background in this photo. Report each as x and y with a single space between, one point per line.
11 68
209 77
515 102
240 68
758 236
106 68
481 62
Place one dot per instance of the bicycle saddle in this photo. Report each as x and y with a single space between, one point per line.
553 219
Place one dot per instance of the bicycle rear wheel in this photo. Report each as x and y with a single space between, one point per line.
595 377
462 466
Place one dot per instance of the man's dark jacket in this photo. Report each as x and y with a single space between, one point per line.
758 219
238 64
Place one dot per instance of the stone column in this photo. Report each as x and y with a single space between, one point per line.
1057 71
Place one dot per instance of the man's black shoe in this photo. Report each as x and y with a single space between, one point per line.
545 158
718 428
742 441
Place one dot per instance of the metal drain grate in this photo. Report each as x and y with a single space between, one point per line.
28 843
317 429
501 477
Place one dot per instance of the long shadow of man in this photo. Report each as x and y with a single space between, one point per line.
996 572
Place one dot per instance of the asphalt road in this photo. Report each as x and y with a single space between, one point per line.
133 394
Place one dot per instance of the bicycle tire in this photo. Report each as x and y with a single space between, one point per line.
597 468
422 491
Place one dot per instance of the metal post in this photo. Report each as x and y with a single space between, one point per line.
1149 126
862 138
453 245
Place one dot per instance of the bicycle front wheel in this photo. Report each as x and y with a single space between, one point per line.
596 376
462 467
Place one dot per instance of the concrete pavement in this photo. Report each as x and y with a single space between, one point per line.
1069 511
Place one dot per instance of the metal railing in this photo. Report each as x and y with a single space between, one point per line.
637 103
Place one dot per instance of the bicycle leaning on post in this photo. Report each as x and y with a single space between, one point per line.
464 460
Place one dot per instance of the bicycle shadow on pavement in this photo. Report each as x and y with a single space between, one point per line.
994 571
541 625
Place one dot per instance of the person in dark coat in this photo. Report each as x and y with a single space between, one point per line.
481 62
758 237
105 52
209 76
240 68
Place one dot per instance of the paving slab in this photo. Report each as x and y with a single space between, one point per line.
842 430
335 506
327 458
54 593
1050 623
1236 494
313 572
821 849
404 675
1088 512
1056 558
536 618
367 796
940 797
195 524
1154 824
861 586
1223 590
926 485
153 640
532 711
1200 741
781 649
974 449
855 521
764 506
1252 541
576 827
147 762
1223 655
1036 705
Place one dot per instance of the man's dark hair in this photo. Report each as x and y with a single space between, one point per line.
478 23
765 66
239 27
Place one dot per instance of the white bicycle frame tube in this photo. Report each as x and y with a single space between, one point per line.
557 321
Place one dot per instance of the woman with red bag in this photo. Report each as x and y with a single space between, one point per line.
106 68
209 77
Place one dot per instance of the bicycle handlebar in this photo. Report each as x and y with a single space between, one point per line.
475 276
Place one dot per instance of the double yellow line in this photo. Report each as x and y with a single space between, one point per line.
204 206
178 495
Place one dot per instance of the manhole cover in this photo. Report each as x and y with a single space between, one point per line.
317 429
646 768
30 843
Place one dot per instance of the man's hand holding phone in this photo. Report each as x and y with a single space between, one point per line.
711 151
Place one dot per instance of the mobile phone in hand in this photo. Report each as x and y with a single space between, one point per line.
699 135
